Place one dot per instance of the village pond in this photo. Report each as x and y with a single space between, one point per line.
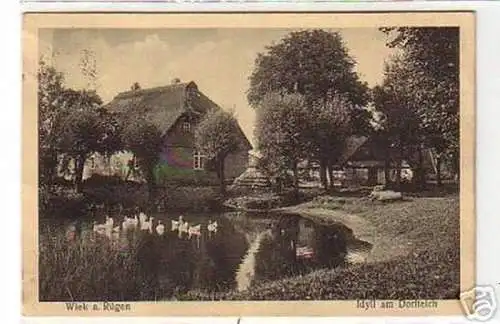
243 250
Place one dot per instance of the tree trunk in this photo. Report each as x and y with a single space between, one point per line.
130 166
398 169
387 165
438 169
423 181
387 170
79 165
322 174
419 172
398 175
150 179
52 168
295 179
221 177
456 165
279 184
330 175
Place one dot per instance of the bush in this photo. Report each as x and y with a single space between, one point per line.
168 176
97 180
62 205
192 198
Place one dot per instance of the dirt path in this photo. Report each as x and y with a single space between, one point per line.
386 246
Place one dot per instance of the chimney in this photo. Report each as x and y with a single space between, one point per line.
136 86
176 81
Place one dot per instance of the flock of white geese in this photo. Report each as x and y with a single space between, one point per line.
144 223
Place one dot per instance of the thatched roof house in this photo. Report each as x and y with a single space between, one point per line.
176 109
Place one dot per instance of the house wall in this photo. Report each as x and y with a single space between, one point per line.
177 136
116 165
178 151
177 157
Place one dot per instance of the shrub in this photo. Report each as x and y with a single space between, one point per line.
97 180
63 205
168 176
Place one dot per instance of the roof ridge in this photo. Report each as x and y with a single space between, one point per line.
134 93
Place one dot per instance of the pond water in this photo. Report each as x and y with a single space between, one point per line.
245 249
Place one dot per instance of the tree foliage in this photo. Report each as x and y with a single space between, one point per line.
431 57
311 63
50 97
308 98
72 124
401 121
144 140
401 131
281 132
86 129
330 123
216 137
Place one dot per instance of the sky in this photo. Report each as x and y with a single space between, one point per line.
219 61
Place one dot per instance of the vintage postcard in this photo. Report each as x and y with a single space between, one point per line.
240 164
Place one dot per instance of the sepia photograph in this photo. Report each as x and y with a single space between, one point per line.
222 157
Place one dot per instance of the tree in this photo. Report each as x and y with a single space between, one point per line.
433 55
216 136
282 123
72 123
86 129
50 96
400 123
316 65
144 139
329 124
312 63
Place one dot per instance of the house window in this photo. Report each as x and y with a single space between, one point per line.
92 163
198 161
186 127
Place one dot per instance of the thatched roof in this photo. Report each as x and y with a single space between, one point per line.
163 106
351 146
362 151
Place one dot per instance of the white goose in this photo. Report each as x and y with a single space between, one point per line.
103 229
129 223
194 230
183 228
99 228
115 233
109 221
126 224
175 225
135 222
142 218
212 227
147 225
160 228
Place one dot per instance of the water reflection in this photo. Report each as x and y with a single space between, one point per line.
296 245
180 263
